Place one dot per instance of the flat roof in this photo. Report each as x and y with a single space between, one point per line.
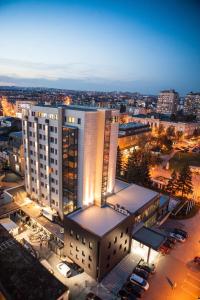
98 220
132 125
149 237
132 198
120 185
22 276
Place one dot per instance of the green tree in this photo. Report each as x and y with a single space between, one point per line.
170 132
171 187
119 164
184 181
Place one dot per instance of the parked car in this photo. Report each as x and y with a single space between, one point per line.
168 244
124 295
144 274
92 296
64 269
140 281
197 260
171 240
163 249
181 232
145 266
178 237
134 289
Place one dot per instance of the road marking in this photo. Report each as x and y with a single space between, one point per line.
194 277
188 292
195 286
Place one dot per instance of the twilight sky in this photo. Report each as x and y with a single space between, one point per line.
138 45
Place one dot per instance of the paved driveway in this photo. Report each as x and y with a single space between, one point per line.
177 267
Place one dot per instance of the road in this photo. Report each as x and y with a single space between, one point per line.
179 268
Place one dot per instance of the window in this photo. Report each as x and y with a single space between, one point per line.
107 266
115 240
89 266
121 234
71 232
109 244
125 242
77 250
77 237
120 247
108 257
127 230
79 121
83 240
71 244
83 253
90 258
83 261
70 119
114 252
77 257
90 245
124 249
51 139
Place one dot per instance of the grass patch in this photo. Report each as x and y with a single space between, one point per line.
180 159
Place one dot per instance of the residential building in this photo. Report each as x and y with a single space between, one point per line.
16 152
167 102
192 105
70 155
20 105
130 134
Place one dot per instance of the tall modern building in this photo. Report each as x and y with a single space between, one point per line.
70 155
167 102
192 104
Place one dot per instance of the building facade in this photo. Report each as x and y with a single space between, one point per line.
192 105
167 102
70 155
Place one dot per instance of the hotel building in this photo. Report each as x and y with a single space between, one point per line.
70 155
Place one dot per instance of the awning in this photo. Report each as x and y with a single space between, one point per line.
149 237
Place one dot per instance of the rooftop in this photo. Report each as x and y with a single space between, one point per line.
133 197
149 237
132 125
22 276
98 220
72 107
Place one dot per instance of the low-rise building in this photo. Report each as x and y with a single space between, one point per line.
16 152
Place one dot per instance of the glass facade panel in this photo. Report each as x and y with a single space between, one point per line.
70 168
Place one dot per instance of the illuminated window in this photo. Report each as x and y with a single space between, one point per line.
70 119
90 245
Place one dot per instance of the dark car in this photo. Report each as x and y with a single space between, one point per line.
133 289
172 240
149 268
197 260
92 296
144 274
124 295
181 232
168 244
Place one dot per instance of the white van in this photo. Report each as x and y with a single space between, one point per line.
64 269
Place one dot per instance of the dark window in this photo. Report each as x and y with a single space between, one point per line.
121 234
77 237
90 245
71 232
120 247
77 250
79 120
114 252
83 253
124 249
127 230
125 242
115 240
89 266
90 258
77 257
83 261
107 266
108 257
71 244
109 244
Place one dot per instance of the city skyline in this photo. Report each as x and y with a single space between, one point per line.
131 46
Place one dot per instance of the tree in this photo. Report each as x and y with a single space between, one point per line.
167 142
119 165
184 181
171 187
170 132
145 178
196 132
179 135
160 129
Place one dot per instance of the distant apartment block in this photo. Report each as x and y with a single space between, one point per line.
192 105
167 102
70 155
